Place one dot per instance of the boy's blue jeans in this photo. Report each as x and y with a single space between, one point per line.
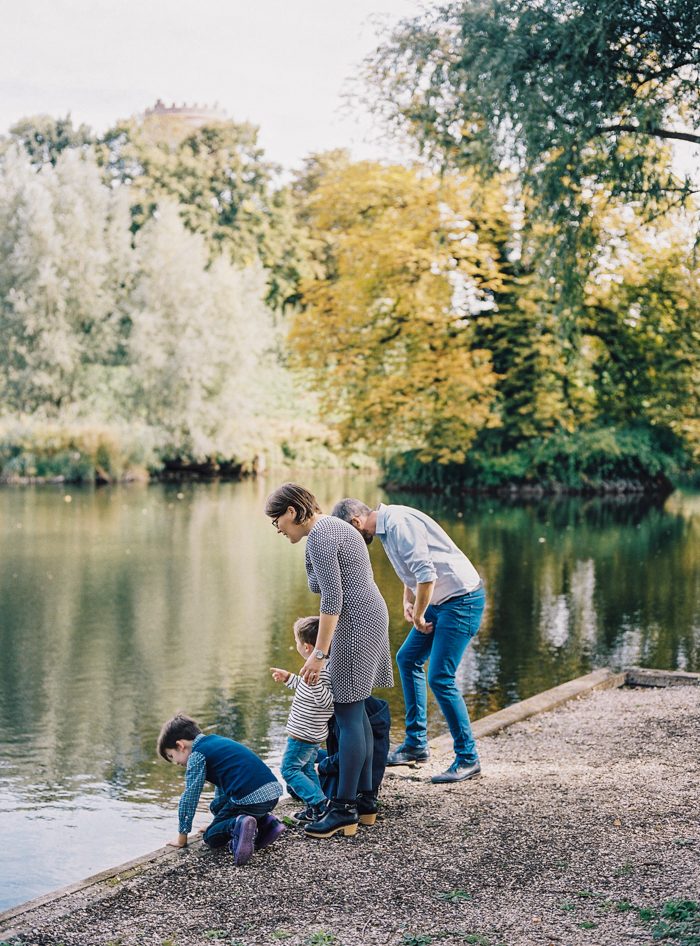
456 622
219 831
299 772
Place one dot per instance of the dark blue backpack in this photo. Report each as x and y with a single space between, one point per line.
380 721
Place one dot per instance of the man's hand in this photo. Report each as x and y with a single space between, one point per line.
179 841
281 676
423 626
311 670
408 611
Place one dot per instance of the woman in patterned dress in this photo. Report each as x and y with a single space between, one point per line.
353 637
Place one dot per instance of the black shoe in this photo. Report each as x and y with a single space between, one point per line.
458 772
311 813
367 807
406 754
340 816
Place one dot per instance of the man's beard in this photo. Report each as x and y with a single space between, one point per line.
367 536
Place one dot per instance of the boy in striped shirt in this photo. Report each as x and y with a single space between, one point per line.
307 726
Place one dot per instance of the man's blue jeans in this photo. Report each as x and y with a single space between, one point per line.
456 622
299 772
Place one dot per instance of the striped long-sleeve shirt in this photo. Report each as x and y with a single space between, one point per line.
312 707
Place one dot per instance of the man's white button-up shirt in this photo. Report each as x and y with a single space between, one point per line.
421 551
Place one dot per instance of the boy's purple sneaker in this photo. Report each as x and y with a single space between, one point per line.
269 829
242 840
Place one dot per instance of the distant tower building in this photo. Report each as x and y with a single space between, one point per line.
194 115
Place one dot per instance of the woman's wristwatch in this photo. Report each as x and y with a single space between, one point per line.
320 655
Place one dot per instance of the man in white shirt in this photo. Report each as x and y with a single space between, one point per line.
444 599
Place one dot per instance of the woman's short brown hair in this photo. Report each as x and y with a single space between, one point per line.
301 500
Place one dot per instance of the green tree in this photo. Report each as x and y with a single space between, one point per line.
225 190
218 175
581 98
643 326
64 260
196 336
44 138
97 324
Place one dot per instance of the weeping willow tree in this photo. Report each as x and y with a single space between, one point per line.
580 99
582 102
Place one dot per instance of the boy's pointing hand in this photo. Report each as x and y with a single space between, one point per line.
281 676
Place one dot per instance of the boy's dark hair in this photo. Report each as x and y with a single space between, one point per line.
303 502
179 727
306 629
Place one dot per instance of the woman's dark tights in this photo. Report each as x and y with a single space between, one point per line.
356 748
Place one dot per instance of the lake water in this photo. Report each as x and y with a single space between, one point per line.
127 603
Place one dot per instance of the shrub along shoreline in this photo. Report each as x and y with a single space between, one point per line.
602 461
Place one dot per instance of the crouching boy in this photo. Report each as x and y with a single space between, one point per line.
246 790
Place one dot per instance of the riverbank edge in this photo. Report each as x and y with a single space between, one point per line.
106 883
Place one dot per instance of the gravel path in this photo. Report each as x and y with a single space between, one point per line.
583 817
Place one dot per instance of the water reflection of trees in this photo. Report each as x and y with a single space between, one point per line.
615 581
199 608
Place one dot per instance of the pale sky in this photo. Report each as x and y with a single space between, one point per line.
281 64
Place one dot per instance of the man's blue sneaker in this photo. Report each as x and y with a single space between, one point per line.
242 843
458 772
404 755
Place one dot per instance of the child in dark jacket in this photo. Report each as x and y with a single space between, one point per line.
246 789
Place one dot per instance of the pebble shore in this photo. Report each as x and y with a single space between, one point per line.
583 817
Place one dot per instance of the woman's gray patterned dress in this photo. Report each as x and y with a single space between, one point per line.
339 569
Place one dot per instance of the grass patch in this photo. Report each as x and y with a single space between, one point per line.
679 922
453 896
78 452
322 938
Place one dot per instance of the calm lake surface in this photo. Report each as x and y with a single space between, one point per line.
128 603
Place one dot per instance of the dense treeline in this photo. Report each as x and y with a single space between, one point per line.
139 317
518 307
438 334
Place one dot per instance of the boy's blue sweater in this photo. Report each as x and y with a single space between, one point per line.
233 768
236 771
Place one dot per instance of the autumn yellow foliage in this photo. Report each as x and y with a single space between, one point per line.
385 333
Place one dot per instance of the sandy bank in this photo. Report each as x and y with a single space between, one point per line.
583 816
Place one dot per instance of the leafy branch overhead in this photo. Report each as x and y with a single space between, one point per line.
578 98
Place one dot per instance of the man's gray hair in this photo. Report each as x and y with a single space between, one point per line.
348 508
